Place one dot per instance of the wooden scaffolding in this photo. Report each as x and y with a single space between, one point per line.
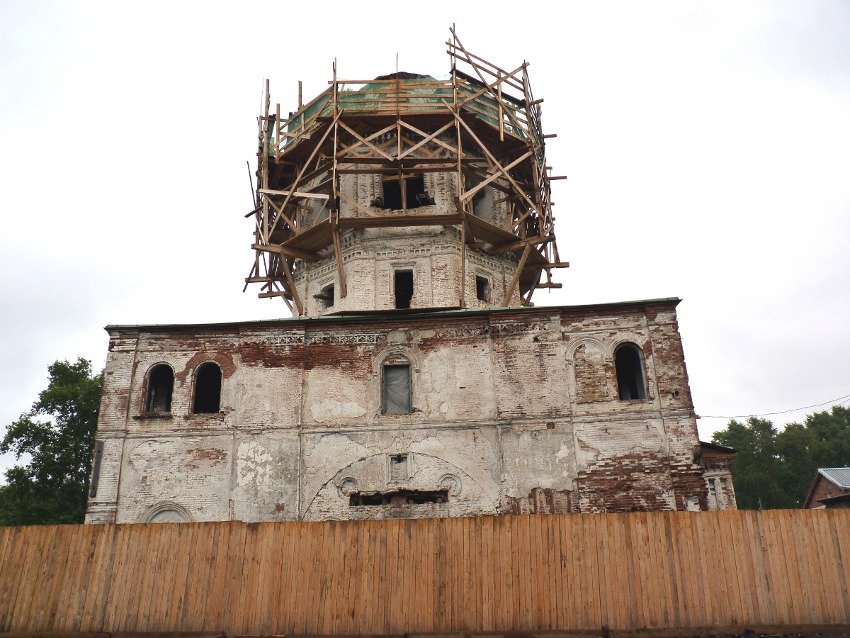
483 124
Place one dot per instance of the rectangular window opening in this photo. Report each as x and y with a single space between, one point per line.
403 283
392 194
482 288
415 192
399 497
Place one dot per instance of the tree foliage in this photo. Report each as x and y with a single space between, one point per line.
775 468
57 434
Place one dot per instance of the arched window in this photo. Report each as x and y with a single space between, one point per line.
627 360
160 386
207 389
396 388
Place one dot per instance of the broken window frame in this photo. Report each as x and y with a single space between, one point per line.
408 200
631 380
392 399
159 392
216 389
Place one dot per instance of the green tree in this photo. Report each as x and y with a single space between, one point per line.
773 468
755 471
58 436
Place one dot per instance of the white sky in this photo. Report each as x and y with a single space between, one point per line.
707 146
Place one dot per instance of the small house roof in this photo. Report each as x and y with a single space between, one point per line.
838 475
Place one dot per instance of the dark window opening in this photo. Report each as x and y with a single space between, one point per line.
207 389
160 386
399 497
392 195
403 284
395 390
95 468
415 191
482 288
629 367
326 296
399 194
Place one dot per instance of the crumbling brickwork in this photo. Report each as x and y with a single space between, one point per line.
716 461
512 410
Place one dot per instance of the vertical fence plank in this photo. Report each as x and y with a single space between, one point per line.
58 563
840 532
824 552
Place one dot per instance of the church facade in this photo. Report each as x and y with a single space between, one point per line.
453 413
407 223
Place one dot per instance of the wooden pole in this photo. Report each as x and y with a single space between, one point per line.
517 274
287 271
462 263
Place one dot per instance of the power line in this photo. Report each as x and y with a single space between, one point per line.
746 416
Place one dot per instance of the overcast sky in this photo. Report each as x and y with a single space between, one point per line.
707 146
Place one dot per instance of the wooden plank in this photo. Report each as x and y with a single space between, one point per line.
286 611
315 238
741 546
133 580
827 562
515 279
294 194
485 535
467 196
604 551
518 245
9 555
778 578
340 268
96 601
76 590
841 547
22 548
57 560
399 220
666 573
175 575
312 577
30 553
759 547
799 584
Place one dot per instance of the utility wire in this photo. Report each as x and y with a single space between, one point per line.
745 416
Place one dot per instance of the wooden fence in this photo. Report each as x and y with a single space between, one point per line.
665 573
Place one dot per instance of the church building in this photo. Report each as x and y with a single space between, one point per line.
406 221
